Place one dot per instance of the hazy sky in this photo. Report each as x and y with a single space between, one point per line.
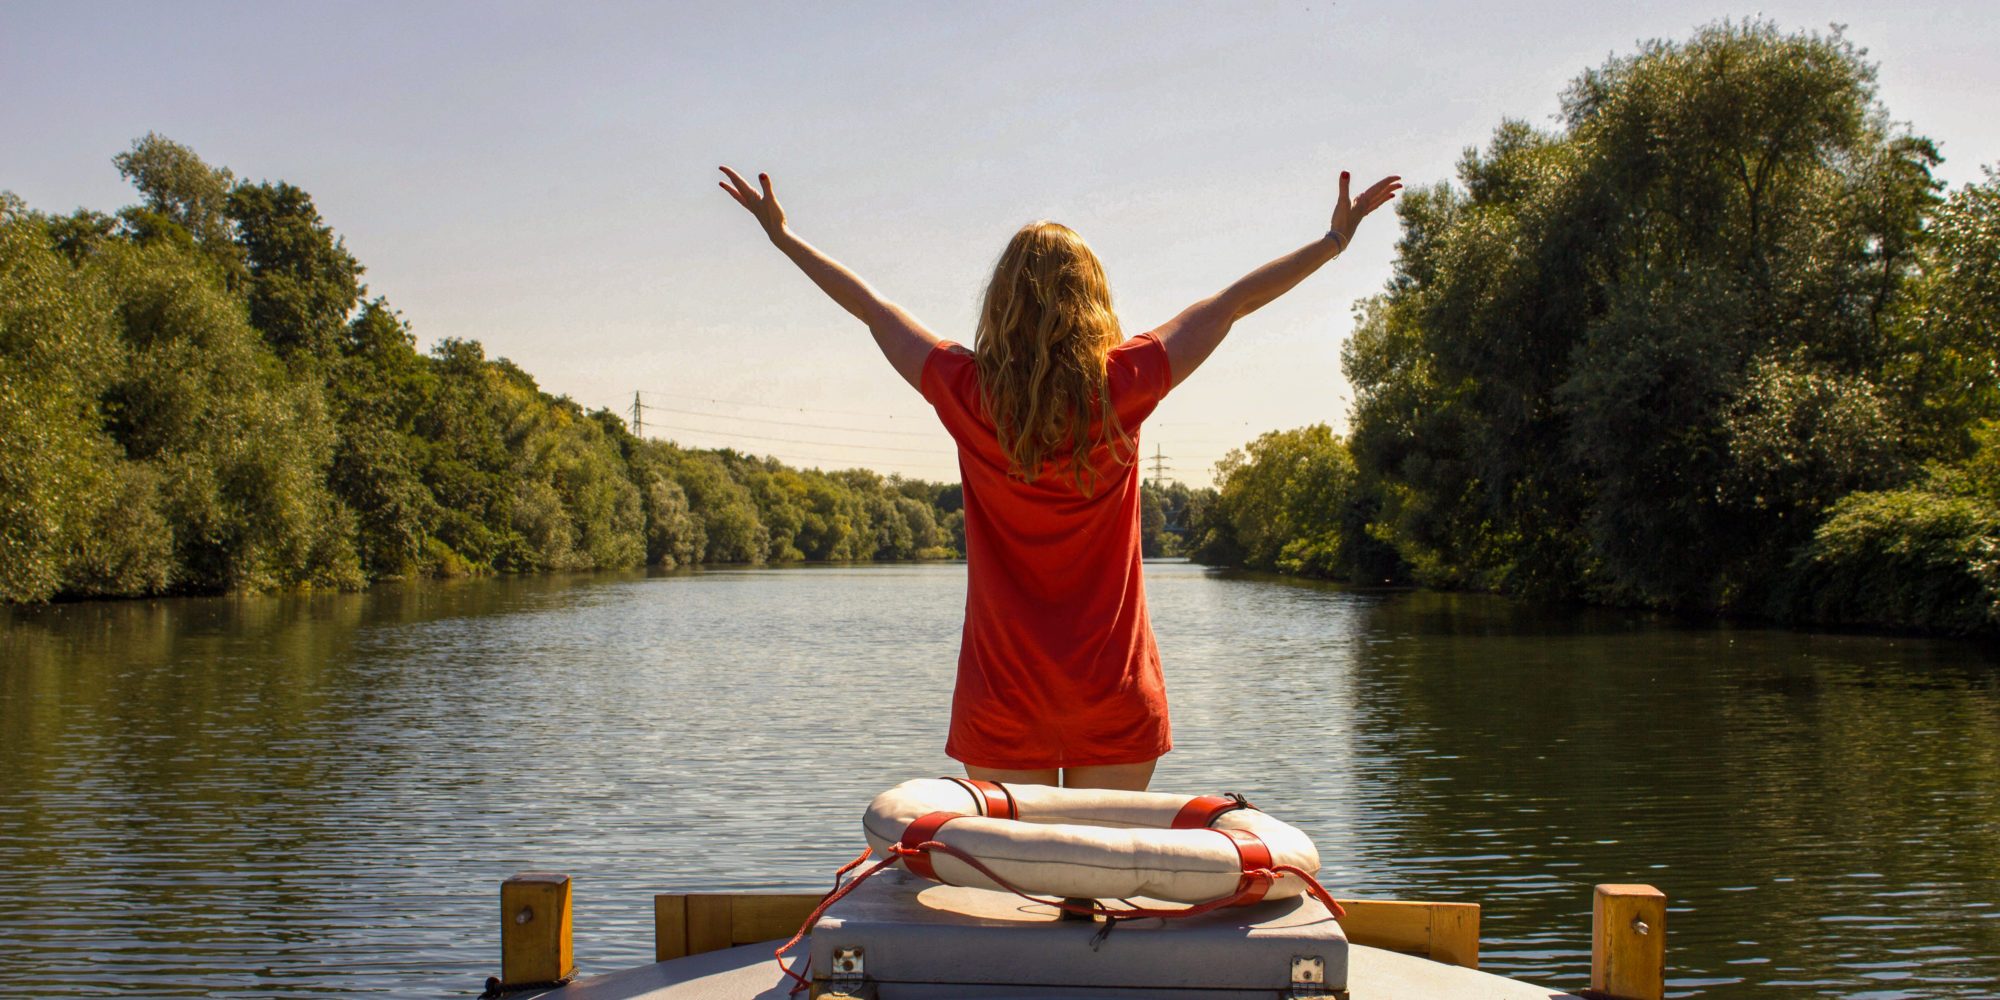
541 178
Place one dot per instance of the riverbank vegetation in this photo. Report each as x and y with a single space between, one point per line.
197 396
1716 341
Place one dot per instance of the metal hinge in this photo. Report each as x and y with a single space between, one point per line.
847 980
1309 980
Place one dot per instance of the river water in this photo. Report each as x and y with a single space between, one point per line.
274 796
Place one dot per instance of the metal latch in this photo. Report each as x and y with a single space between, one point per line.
847 978
1309 978
847 963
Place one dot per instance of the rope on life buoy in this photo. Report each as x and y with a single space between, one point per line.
1252 888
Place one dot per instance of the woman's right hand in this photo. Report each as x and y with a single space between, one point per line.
1348 214
763 205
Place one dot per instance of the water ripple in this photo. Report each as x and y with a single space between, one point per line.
278 796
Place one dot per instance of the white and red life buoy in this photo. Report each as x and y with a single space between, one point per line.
1086 842
1207 851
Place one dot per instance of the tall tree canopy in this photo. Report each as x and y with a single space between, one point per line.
1712 342
1636 358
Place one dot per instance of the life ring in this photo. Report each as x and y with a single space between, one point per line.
1088 842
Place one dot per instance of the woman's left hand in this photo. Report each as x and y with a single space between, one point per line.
762 205
1348 213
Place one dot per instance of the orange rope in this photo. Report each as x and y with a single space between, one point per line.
1312 886
833 896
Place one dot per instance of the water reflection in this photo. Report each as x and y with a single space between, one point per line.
1820 807
280 795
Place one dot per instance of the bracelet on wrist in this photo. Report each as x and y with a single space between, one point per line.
1336 233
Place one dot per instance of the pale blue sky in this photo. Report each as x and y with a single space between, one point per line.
541 178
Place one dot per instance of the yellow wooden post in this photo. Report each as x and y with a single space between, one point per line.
1628 942
535 931
1455 934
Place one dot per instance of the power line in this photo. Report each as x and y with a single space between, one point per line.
812 461
639 407
792 409
781 423
803 441
806 461
924 418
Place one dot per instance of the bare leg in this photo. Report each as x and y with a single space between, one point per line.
1126 777
1038 776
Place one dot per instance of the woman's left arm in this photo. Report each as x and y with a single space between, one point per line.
903 340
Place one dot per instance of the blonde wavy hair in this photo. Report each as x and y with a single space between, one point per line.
1044 330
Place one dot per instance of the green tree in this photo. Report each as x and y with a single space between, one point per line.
730 527
1592 351
190 400
183 193
303 282
1290 502
376 390
1947 373
465 462
1152 522
780 497
74 516
240 448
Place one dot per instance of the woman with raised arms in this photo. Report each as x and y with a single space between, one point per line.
1058 676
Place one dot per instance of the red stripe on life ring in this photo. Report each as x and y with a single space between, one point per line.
1255 856
921 830
1013 807
1202 810
992 797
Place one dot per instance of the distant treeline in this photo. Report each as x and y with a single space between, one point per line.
1715 342
196 397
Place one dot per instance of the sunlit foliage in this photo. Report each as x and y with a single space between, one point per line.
1712 342
1638 357
1291 502
195 397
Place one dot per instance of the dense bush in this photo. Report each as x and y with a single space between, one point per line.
1279 502
196 396
1292 502
63 481
1927 555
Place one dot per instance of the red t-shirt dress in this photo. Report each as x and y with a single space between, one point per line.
1057 666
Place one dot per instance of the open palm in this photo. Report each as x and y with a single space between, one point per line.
1347 215
762 204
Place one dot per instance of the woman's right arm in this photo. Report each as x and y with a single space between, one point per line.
1194 334
903 341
